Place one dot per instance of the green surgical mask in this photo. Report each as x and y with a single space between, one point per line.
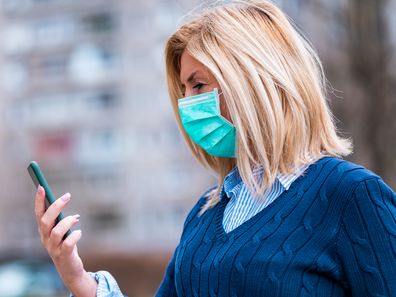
201 118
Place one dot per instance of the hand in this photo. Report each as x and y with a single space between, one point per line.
63 253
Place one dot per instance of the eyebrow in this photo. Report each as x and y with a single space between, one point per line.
191 77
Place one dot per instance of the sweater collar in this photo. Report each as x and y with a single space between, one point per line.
233 181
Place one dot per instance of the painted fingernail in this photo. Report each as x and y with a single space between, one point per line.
66 197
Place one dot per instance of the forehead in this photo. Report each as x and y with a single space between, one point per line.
189 65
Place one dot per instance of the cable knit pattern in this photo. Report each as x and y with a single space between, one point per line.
333 233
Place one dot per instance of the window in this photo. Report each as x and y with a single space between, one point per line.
100 146
16 6
99 23
90 64
106 219
54 31
105 100
53 66
14 77
53 146
17 39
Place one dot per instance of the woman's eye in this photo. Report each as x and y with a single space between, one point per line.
198 86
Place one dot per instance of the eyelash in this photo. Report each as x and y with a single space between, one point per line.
198 86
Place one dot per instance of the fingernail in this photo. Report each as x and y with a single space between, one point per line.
66 197
77 217
40 189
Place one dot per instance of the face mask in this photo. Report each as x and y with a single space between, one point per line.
202 121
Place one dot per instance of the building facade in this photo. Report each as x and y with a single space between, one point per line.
83 92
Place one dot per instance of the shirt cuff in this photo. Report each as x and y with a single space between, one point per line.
107 285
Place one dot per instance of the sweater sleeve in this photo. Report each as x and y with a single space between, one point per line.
167 287
367 240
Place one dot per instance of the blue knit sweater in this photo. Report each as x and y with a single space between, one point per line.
333 233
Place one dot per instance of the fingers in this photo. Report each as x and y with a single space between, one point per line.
39 203
47 220
57 233
70 242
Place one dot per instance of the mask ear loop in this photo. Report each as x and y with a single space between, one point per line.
218 107
217 91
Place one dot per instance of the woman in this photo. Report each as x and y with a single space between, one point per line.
288 217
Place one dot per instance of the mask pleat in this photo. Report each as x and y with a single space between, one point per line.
216 136
201 118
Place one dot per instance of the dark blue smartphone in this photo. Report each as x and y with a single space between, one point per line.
39 179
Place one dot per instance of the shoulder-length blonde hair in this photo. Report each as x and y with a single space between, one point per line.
273 85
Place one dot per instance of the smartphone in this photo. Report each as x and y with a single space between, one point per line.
39 179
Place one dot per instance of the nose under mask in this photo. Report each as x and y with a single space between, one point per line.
201 119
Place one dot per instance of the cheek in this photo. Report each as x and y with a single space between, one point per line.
224 109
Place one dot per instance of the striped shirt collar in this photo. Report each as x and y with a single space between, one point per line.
233 181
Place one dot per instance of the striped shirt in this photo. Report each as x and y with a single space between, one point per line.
241 207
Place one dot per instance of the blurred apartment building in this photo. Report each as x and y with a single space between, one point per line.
83 92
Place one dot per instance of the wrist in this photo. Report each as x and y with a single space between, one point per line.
83 286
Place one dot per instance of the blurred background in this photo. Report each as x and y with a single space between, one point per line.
83 92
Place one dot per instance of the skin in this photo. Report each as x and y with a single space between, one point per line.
63 253
196 79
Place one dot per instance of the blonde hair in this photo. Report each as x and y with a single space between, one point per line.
273 85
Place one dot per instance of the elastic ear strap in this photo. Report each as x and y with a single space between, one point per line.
217 91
